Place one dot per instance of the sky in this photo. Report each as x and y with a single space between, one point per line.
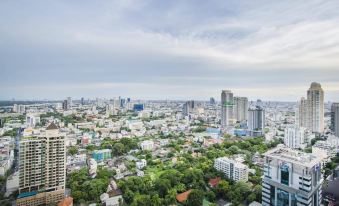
180 50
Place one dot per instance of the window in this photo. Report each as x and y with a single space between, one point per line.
282 197
284 174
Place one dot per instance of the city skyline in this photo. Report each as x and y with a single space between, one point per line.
173 50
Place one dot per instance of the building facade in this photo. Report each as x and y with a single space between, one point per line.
256 121
241 108
295 136
42 168
227 108
233 169
291 178
335 118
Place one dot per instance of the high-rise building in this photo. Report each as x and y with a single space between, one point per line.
82 101
291 178
256 121
227 108
241 108
302 113
42 170
315 97
311 110
188 107
335 118
212 101
233 169
295 137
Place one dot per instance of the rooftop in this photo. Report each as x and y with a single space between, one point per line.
294 156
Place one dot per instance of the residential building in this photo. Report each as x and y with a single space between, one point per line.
335 119
101 155
256 121
141 164
241 108
42 168
147 145
227 108
295 137
233 169
291 178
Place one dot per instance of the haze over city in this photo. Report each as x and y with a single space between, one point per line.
264 49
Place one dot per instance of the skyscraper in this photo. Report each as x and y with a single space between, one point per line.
212 101
188 108
311 110
227 108
335 119
256 121
241 108
315 97
291 178
42 170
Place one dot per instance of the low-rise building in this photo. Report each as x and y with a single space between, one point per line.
233 169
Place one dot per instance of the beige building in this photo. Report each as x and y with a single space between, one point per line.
42 168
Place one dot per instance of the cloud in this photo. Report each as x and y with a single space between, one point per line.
163 50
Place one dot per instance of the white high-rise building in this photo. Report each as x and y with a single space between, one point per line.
302 113
335 119
241 108
295 136
233 169
42 168
291 178
227 108
188 108
256 121
315 97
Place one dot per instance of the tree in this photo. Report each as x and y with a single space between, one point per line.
73 150
162 186
195 198
118 149
223 188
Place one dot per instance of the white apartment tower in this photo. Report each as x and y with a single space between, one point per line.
233 169
256 121
42 168
227 108
291 178
241 108
295 136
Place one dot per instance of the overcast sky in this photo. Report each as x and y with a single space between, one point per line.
264 49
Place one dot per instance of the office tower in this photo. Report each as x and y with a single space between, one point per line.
302 113
15 108
295 136
227 108
233 169
315 97
259 103
212 101
335 119
188 108
291 178
69 103
42 170
21 109
256 121
122 103
128 100
82 101
241 108
64 105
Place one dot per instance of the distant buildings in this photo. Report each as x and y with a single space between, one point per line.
256 121
212 101
188 108
241 108
291 178
101 155
141 164
227 108
138 107
335 119
233 169
147 145
67 104
42 168
295 136
311 110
